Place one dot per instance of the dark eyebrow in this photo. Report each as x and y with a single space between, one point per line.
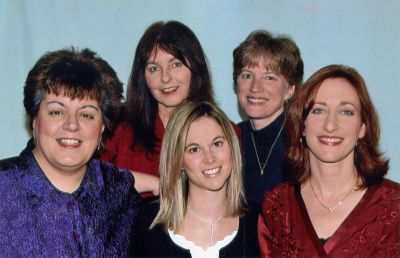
62 104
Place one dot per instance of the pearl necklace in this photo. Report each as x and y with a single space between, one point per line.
333 208
207 221
270 150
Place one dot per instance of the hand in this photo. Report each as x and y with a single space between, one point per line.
146 183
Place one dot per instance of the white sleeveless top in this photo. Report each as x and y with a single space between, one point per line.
197 251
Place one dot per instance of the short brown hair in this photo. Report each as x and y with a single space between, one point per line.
280 53
76 74
370 164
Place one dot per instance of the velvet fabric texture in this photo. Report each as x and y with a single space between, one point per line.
38 220
372 229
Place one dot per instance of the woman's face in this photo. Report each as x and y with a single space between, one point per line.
207 158
262 93
167 78
334 124
67 133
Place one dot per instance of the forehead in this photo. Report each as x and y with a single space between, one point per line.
204 127
337 89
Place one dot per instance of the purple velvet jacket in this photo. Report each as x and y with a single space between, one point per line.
37 220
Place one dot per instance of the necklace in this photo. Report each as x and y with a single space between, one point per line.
207 221
333 208
270 150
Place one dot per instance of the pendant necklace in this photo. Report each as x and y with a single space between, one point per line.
207 221
333 208
270 150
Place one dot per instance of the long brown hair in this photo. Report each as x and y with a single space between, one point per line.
370 164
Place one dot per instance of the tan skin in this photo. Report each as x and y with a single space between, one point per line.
208 165
332 129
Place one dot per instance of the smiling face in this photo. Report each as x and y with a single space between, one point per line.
334 124
168 79
67 133
262 93
207 158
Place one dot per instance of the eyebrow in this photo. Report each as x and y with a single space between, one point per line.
62 104
342 103
169 61
196 144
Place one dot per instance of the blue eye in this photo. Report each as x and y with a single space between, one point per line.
177 64
348 112
317 111
152 68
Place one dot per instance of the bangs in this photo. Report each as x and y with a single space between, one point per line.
74 91
259 56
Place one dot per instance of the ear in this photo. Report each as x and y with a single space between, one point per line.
361 134
102 129
289 92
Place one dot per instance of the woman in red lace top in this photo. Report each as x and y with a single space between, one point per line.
340 204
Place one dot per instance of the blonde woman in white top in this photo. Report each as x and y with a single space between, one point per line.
201 211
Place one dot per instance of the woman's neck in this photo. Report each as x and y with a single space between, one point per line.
165 113
208 205
259 123
332 177
65 181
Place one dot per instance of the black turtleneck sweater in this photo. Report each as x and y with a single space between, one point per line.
255 184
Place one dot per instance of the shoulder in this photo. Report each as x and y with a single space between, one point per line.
387 192
9 164
280 196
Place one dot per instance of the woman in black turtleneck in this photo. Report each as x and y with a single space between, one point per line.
267 71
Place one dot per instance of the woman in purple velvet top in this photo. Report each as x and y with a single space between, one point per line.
55 199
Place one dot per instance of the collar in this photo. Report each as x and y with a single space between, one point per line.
270 130
39 187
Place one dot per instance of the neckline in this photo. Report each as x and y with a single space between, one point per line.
324 249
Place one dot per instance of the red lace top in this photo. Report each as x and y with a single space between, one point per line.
372 229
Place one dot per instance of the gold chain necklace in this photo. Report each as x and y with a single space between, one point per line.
207 221
270 150
333 208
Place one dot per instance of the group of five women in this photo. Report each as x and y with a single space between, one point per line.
310 183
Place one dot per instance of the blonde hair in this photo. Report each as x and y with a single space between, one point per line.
173 181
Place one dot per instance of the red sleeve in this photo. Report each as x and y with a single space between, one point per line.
264 236
109 151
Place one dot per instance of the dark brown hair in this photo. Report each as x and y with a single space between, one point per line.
370 164
76 74
141 107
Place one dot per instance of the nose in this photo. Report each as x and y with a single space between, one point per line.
330 123
71 123
209 156
165 75
256 85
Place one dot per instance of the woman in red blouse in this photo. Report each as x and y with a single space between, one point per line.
340 205
169 67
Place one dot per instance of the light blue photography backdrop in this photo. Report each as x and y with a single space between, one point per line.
364 34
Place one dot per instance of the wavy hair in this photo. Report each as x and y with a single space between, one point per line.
370 164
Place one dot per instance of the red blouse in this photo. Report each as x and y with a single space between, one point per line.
118 150
372 229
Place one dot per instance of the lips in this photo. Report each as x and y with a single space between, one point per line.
69 142
169 89
212 171
256 101
330 140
